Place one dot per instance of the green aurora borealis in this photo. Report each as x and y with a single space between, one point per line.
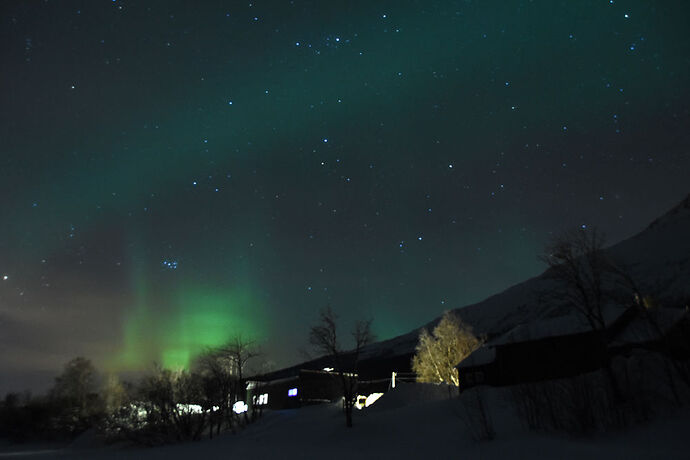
196 318
392 159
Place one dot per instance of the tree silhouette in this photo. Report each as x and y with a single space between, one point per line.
324 338
76 395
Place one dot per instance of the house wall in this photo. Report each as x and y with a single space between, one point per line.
549 358
278 393
543 359
312 387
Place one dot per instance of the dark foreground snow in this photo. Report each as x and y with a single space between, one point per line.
414 422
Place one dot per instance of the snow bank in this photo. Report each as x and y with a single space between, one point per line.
413 421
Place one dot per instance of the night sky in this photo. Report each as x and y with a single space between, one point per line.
173 172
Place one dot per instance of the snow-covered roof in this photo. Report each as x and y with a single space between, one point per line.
480 356
541 328
547 326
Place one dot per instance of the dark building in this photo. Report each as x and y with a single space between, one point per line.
565 346
305 387
315 381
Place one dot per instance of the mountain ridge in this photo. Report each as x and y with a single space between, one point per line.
657 258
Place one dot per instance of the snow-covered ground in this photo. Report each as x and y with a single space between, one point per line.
414 421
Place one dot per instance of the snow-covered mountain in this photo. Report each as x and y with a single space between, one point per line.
657 259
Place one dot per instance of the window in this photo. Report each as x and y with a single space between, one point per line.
292 392
263 399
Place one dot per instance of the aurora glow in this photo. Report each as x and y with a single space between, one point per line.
172 173
196 318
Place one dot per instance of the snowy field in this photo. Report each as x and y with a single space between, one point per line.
404 423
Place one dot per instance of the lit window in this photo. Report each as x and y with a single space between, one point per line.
292 392
263 399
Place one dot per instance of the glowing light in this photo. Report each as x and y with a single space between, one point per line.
5 277
176 358
292 392
240 407
189 408
195 318
366 401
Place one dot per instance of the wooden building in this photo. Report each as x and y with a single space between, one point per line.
316 381
565 346
305 387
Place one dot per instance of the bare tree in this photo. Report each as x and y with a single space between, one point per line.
236 353
438 354
576 259
239 351
220 385
324 338
169 399
76 393
589 280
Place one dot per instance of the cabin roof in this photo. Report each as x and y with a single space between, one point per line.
627 325
570 323
649 326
